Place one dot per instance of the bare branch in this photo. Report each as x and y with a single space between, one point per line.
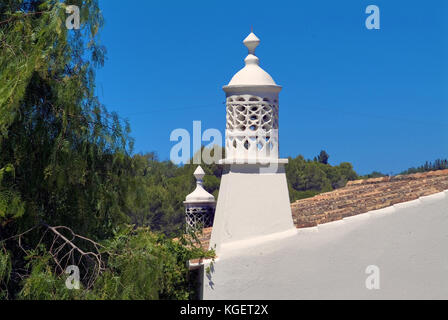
65 251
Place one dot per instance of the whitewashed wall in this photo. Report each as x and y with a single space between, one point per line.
408 242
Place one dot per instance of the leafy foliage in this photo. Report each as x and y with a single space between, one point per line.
42 283
65 160
158 202
146 265
70 156
11 205
141 265
5 272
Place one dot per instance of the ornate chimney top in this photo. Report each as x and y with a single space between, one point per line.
199 205
199 195
251 74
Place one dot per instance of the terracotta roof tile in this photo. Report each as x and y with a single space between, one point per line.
361 196
358 197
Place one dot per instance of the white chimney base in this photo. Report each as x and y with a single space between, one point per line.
253 202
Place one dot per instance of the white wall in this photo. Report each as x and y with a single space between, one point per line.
408 242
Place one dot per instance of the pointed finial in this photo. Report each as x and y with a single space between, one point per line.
199 194
251 42
199 174
252 73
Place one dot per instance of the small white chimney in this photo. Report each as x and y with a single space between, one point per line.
199 205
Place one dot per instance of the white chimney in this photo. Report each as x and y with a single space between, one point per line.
253 198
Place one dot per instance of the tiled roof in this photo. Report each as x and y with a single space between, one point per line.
358 197
204 238
204 242
361 196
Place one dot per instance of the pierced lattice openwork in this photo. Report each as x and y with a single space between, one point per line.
198 217
199 205
252 127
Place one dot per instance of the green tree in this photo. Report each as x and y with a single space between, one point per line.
323 157
67 161
307 178
70 157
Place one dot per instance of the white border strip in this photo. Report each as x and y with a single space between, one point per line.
236 245
243 244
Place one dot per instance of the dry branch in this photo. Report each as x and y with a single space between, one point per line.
66 251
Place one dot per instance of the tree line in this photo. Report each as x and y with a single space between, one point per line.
438 164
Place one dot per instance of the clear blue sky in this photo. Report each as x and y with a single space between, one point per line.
375 98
